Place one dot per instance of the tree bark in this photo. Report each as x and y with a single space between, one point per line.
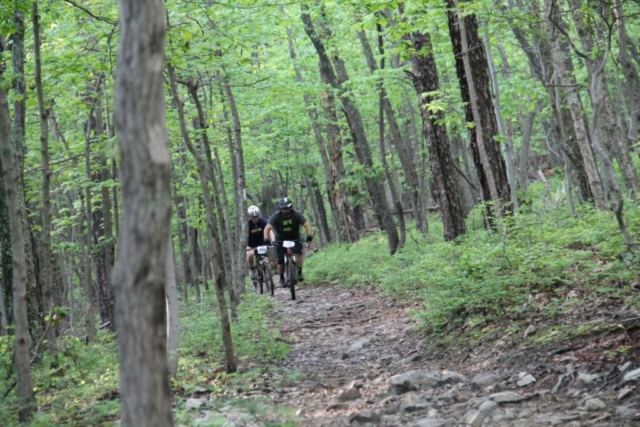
102 231
402 147
609 129
473 73
220 278
507 144
47 270
13 188
632 80
322 149
578 122
443 174
140 275
361 145
237 157
540 59
173 322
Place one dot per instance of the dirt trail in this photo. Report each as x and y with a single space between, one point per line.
358 359
343 340
363 363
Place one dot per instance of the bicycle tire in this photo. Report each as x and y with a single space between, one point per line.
293 276
269 280
261 277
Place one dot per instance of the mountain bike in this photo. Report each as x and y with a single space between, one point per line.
290 267
263 272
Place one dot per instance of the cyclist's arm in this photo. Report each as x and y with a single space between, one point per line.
307 227
268 231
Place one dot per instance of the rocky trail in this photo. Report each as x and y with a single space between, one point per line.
360 360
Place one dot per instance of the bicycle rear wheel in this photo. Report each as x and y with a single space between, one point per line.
262 278
268 279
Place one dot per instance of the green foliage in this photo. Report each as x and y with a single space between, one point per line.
489 274
82 388
255 336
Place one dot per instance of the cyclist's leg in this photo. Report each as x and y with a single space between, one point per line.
250 257
297 250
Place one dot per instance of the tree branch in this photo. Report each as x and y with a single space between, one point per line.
88 12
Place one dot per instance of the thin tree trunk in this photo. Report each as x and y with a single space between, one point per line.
182 248
404 152
320 141
87 276
361 145
609 131
349 231
575 108
632 89
230 258
6 262
238 159
140 275
102 231
194 255
220 279
173 325
47 270
541 63
507 144
13 188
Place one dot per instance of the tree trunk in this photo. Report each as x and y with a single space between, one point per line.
507 144
402 148
19 90
348 231
320 141
140 274
173 325
473 73
102 232
220 278
230 258
237 157
609 129
6 262
425 80
195 258
13 188
578 122
87 276
47 270
632 89
541 63
183 248
361 145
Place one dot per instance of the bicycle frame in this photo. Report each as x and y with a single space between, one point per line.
263 269
290 266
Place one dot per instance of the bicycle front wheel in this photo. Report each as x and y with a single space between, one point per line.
292 276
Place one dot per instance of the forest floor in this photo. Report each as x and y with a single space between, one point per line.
359 358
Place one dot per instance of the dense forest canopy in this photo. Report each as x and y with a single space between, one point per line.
370 115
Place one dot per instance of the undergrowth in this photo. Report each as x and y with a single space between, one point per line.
488 275
83 390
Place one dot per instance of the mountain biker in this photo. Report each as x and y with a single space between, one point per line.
257 225
286 223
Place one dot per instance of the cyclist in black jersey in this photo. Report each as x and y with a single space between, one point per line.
286 224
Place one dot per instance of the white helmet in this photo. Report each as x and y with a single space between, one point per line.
253 210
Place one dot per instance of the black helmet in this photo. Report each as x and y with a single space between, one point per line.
284 203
